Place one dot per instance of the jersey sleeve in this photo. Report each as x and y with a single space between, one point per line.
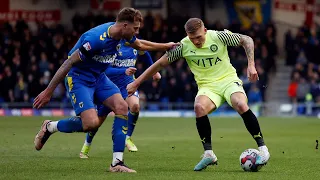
146 58
89 47
111 71
175 53
228 38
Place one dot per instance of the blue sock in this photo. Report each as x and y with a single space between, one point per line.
119 132
133 118
70 125
90 136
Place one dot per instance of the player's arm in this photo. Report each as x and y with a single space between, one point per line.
63 70
44 97
85 52
154 68
146 57
144 45
164 61
235 39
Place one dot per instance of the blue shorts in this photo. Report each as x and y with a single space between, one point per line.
85 95
121 81
122 85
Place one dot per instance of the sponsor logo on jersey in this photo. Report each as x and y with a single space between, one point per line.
87 46
124 62
105 59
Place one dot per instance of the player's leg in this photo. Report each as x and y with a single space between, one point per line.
81 98
133 115
102 115
236 98
112 99
206 101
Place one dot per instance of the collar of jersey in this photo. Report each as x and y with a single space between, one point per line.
108 31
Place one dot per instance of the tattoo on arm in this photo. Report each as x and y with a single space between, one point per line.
248 45
63 70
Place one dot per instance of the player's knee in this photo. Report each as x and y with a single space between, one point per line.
91 124
199 109
121 108
241 107
135 108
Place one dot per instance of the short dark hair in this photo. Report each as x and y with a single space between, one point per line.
193 24
129 14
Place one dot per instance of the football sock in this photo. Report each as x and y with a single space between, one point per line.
90 136
70 125
119 131
252 125
204 130
117 156
132 120
209 152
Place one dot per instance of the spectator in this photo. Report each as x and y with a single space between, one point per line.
292 89
21 90
37 56
303 89
254 95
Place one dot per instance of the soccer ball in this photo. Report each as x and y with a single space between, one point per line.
248 160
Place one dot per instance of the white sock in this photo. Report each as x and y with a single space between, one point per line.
127 137
116 157
52 126
263 148
86 143
209 152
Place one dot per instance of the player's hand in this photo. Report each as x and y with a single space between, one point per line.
156 77
130 71
252 74
171 45
42 99
132 88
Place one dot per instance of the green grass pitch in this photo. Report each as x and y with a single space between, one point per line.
169 148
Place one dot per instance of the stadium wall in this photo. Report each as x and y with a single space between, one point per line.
70 112
214 11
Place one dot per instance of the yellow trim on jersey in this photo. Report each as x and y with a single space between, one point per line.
70 83
141 52
109 30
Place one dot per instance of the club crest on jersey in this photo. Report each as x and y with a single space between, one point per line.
214 48
135 52
87 46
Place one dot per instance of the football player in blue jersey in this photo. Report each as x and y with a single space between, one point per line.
121 73
87 84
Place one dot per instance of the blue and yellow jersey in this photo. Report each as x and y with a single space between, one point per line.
126 57
97 51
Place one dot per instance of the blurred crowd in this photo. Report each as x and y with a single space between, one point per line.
28 60
302 51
